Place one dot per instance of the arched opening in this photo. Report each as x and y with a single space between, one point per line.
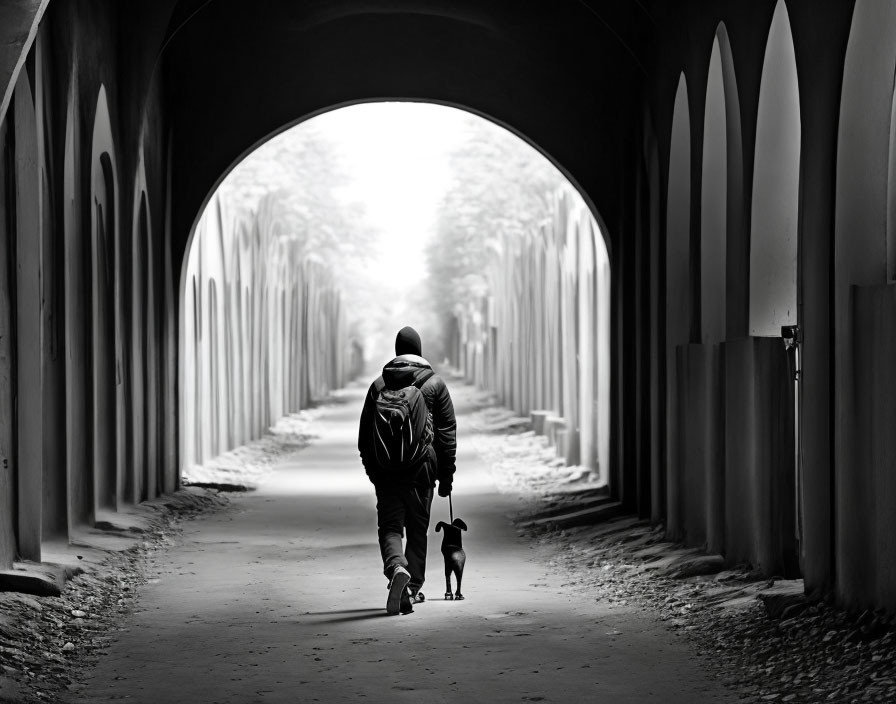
105 367
720 199
553 340
678 285
721 300
776 179
29 405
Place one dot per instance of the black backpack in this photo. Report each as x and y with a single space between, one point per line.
402 427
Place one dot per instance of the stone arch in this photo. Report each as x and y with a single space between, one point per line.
185 252
721 196
776 179
198 303
678 282
105 351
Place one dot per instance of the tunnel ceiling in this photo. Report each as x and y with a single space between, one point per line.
564 75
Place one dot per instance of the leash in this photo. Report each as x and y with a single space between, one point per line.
451 508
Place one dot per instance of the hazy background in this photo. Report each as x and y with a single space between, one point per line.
404 202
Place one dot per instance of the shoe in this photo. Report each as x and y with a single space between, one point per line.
406 604
397 585
417 597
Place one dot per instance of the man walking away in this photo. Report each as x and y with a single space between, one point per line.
407 443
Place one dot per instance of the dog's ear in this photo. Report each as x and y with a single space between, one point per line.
460 524
439 525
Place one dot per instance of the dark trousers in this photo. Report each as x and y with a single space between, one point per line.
399 509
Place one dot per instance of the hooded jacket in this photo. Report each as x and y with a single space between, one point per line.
403 371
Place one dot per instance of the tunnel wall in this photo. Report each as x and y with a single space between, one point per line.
264 330
826 508
78 345
669 449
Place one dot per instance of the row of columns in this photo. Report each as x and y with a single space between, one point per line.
264 331
86 311
540 337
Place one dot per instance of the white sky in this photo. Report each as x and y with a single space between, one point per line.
397 157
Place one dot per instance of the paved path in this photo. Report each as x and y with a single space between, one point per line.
282 600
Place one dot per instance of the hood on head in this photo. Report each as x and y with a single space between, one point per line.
404 370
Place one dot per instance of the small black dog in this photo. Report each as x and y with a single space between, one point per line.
455 557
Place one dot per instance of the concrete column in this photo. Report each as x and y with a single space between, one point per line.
868 537
54 514
7 352
29 389
760 510
702 462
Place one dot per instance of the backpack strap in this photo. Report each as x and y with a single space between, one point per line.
424 377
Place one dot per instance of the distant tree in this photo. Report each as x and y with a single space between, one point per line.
300 174
500 187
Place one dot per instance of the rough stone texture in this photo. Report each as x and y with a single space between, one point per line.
581 517
45 640
41 579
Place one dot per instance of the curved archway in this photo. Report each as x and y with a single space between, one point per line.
720 199
579 254
105 345
339 106
776 179
678 284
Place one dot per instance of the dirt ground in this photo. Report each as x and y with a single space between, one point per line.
280 597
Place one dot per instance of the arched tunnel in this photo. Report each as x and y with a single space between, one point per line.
726 375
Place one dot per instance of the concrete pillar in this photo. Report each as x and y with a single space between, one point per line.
702 464
868 536
77 257
136 288
7 352
760 507
29 390
54 513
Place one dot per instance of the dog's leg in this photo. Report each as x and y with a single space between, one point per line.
448 595
459 573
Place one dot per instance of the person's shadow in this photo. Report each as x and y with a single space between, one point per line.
349 615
